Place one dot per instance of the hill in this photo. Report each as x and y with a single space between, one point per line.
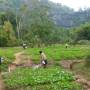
62 15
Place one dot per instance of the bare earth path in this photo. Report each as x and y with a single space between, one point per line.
21 60
18 57
17 61
68 64
1 83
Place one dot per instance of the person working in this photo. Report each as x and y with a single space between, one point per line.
43 59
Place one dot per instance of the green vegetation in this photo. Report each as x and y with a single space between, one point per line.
81 34
8 55
59 52
54 53
37 23
51 77
9 52
38 79
42 25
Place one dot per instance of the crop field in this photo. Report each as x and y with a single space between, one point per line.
44 45
54 53
59 52
50 78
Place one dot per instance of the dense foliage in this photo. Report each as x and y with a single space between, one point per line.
81 34
41 22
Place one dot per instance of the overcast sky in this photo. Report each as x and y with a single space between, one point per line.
76 4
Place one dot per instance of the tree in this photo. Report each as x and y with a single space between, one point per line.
3 38
9 32
83 32
41 24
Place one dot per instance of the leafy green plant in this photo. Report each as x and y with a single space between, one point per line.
55 78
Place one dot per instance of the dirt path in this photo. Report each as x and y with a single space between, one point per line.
17 61
82 80
1 83
11 67
21 60
18 57
68 64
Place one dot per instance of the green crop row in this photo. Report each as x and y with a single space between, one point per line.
58 53
36 78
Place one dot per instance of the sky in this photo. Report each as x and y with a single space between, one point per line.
75 4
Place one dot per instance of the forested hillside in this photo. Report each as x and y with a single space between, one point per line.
39 22
62 15
67 17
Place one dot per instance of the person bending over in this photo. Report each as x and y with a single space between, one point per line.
43 59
